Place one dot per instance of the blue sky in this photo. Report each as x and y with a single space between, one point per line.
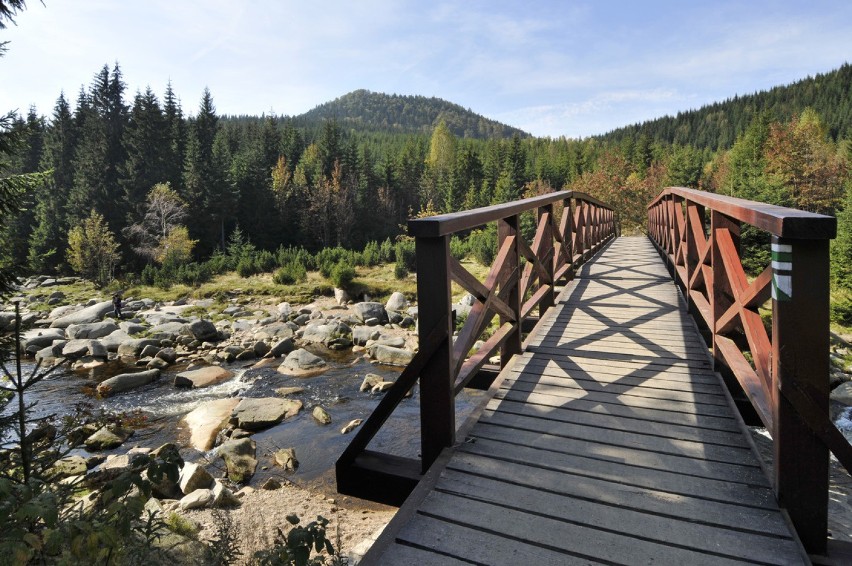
553 68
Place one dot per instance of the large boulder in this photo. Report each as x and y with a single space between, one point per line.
275 331
49 355
397 302
198 499
335 332
107 438
392 356
203 330
134 346
89 314
78 348
368 310
91 330
114 340
167 330
843 393
259 413
301 363
281 348
206 420
363 334
38 338
202 377
192 477
127 381
239 457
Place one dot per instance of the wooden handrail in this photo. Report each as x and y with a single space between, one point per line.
784 373
511 291
777 220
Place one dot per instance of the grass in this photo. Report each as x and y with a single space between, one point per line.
182 526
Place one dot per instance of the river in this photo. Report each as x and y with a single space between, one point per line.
317 446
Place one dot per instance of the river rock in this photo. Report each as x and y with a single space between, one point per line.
392 356
92 330
127 381
203 330
842 393
222 496
63 310
134 346
321 415
114 340
239 457
284 311
370 381
79 348
350 426
198 499
131 327
166 331
286 458
281 348
259 413
50 355
206 420
367 310
38 338
192 477
301 363
203 377
335 332
107 438
89 314
168 355
397 302
363 334
69 466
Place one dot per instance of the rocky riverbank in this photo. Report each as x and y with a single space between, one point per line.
200 344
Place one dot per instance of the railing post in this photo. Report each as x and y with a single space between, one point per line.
437 401
800 352
547 250
506 228
722 294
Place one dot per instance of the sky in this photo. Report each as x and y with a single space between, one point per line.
550 67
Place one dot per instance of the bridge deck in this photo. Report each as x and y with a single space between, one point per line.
610 440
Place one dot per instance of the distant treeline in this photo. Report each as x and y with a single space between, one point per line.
349 173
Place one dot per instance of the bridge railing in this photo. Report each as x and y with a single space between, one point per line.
784 370
570 228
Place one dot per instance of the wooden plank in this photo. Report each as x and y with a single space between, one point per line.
561 536
605 421
615 406
625 473
528 382
627 438
695 509
408 555
626 396
746 471
713 540
689 372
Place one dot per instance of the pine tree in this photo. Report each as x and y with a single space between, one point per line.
175 139
145 142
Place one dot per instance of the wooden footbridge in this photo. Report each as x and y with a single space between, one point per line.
612 431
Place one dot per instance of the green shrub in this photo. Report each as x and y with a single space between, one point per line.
294 548
246 267
181 525
386 252
342 275
371 255
293 272
483 245
458 248
405 254
399 271
841 310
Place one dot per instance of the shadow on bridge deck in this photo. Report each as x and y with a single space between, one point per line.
609 440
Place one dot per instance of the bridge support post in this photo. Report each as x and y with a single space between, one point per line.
437 400
800 360
506 228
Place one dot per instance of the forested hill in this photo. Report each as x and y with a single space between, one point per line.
375 111
717 126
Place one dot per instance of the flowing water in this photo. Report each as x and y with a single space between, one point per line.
317 446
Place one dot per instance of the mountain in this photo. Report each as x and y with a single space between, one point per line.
716 126
375 111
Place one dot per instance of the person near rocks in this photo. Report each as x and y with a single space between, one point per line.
116 305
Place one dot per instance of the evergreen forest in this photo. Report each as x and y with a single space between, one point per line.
169 188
